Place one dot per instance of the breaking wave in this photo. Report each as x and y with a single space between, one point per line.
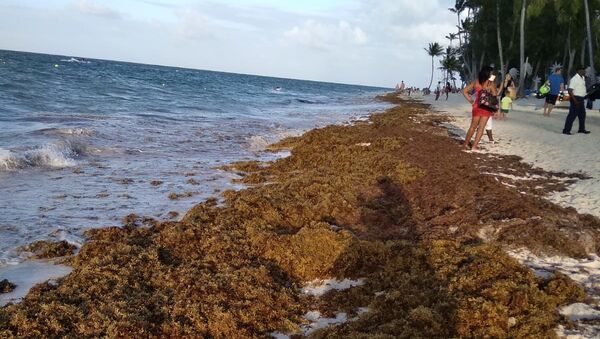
67 131
57 155
257 143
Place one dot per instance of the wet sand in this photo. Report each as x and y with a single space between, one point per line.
415 231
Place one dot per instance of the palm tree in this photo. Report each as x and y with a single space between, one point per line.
589 39
449 64
522 49
498 35
434 50
459 7
451 37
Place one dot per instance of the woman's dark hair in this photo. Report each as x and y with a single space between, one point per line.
484 74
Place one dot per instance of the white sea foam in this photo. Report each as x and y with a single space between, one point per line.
8 160
27 275
57 155
79 61
68 131
257 143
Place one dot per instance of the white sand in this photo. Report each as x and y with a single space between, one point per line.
318 287
539 141
315 320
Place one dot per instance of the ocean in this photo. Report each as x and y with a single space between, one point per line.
85 142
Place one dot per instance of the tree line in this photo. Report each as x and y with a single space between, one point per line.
528 37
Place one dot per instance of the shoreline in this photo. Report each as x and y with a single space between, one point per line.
392 201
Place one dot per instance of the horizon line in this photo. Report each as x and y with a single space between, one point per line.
195 69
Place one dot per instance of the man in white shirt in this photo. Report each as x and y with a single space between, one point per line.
577 92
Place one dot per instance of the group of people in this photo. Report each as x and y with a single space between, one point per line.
444 89
483 95
401 88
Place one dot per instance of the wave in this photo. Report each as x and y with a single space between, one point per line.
306 101
67 131
58 155
257 143
79 61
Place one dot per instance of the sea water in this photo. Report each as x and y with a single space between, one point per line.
84 143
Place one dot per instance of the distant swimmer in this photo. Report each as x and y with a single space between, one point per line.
277 88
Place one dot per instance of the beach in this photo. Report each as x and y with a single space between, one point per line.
540 142
381 227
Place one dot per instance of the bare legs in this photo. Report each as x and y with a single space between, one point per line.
477 124
547 109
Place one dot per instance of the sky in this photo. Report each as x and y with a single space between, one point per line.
367 42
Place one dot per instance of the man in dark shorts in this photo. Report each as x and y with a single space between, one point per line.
577 93
557 85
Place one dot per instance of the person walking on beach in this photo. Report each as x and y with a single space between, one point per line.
480 115
557 85
438 90
577 91
448 88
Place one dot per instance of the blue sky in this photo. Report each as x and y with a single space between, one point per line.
370 42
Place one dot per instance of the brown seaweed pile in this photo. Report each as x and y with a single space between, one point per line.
44 249
392 201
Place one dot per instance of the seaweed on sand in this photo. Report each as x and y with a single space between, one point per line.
393 202
43 249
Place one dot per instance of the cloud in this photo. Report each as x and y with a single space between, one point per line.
197 23
193 24
422 33
326 36
159 4
91 8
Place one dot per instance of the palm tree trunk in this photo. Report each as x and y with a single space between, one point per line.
467 68
501 75
431 81
572 52
583 52
566 52
482 59
590 40
536 68
522 57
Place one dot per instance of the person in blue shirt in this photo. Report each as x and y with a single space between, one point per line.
557 85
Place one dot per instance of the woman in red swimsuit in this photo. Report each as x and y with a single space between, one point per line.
480 116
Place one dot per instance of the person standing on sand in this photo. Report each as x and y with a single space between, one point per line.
507 85
480 116
577 92
448 88
557 85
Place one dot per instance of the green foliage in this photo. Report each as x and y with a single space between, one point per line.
554 33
